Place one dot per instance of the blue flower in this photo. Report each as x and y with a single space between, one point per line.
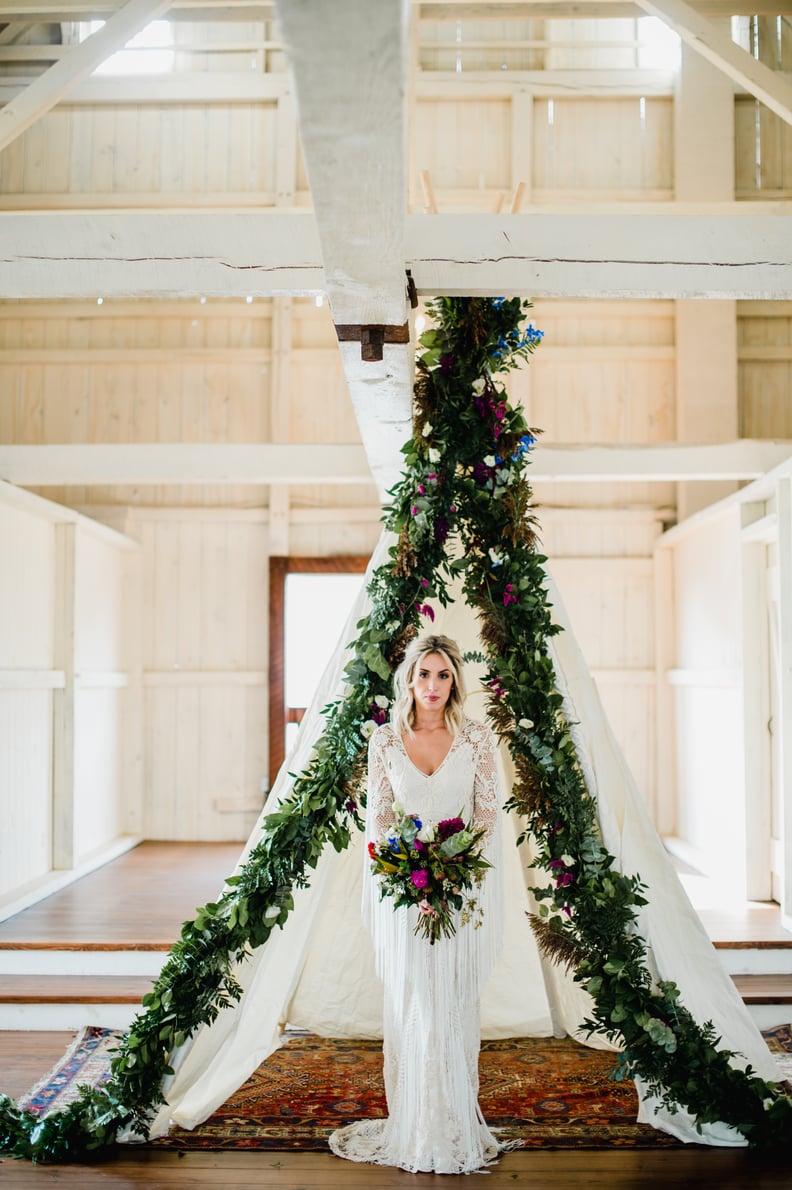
418 823
498 302
393 843
532 335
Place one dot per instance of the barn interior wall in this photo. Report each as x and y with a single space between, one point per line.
193 371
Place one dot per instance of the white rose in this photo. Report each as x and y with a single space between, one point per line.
478 387
434 454
489 461
426 431
495 557
272 913
567 861
526 724
368 728
382 701
426 834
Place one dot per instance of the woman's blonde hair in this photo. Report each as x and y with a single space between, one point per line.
403 709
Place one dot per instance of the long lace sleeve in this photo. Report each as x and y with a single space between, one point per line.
487 815
379 815
486 784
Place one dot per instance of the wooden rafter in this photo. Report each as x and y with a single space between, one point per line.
717 47
48 90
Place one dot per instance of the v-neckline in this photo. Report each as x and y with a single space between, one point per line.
434 772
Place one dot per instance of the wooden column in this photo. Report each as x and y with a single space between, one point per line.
706 331
756 701
63 854
665 809
784 500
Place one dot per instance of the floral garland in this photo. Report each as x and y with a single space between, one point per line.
464 474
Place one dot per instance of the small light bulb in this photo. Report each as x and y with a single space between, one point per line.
249 298
202 301
100 301
319 299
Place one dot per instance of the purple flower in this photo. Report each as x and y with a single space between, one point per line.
441 530
419 846
421 490
420 878
508 597
414 510
425 583
447 364
449 827
425 610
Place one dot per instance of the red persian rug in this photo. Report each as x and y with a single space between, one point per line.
549 1093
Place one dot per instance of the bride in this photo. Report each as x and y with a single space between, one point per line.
437 764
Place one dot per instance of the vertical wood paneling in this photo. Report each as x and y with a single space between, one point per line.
27 577
709 713
205 609
603 144
25 786
464 145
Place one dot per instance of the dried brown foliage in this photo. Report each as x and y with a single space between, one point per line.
555 944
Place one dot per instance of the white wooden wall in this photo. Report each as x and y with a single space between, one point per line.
184 371
67 767
27 595
708 693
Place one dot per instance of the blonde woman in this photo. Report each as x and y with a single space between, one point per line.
435 763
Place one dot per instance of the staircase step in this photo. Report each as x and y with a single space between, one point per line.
73 989
764 989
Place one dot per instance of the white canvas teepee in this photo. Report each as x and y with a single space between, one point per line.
318 971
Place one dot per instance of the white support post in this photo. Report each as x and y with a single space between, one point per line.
133 694
665 808
706 332
280 390
63 700
784 500
522 144
756 708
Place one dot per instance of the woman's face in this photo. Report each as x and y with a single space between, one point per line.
433 682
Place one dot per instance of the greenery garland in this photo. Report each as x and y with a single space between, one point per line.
463 476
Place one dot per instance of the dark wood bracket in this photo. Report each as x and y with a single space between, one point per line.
372 338
412 292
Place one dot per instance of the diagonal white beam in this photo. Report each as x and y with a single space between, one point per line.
48 90
717 47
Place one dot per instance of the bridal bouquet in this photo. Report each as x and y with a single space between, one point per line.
433 867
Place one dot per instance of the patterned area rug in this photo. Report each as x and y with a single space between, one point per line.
546 1092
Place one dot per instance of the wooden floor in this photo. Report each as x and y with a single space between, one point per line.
141 899
138 900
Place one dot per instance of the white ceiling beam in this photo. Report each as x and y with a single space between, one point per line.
42 95
85 255
602 255
113 463
88 465
714 44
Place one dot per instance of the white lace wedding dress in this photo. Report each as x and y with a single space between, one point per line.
431 1016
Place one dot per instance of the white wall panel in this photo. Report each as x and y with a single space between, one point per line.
205 674
708 695
25 786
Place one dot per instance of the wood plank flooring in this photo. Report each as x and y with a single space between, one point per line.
139 900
